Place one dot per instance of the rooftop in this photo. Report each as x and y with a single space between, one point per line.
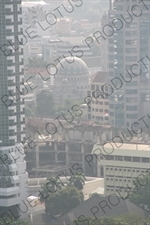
72 66
99 77
31 4
135 147
73 40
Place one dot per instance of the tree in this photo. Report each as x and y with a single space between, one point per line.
45 104
68 103
13 222
78 181
52 185
96 194
63 201
126 219
129 219
142 195
99 221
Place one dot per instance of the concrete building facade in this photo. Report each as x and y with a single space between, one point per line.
104 46
122 166
13 180
98 109
63 26
127 47
70 148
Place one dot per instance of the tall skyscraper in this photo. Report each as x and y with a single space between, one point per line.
104 46
127 46
13 175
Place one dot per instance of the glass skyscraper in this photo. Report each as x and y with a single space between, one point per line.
13 175
12 118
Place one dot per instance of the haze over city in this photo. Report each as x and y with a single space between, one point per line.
74 112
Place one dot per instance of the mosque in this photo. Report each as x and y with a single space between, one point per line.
71 81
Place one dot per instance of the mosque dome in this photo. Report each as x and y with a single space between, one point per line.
72 66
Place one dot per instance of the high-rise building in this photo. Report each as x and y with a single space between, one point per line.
98 109
104 46
128 48
13 175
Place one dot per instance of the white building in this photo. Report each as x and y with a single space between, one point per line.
13 182
121 164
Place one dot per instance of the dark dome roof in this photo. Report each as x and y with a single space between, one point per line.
75 67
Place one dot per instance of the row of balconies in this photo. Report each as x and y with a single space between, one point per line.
9 191
9 201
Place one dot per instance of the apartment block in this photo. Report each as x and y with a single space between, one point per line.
127 47
13 180
98 107
63 26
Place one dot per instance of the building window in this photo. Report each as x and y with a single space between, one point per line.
145 159
127 158
131 91
109 157
131 108
92 87
118 158
97 87
132 116
136 159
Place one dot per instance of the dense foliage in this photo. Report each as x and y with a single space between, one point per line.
61 202
126 219
6 221
45 104
141 195
60 198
